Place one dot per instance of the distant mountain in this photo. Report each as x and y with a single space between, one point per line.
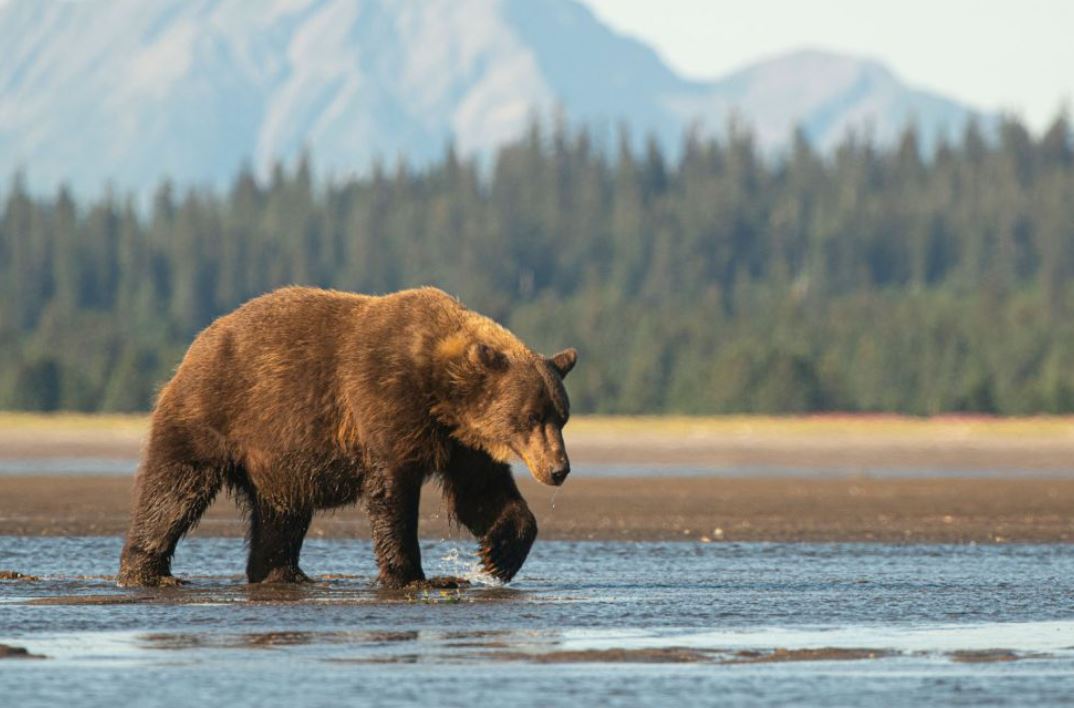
827 95
130 91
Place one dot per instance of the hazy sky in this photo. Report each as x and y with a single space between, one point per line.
1016 56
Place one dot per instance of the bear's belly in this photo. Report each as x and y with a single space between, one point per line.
307 480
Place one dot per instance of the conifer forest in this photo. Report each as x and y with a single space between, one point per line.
713 280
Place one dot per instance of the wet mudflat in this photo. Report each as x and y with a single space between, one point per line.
652 506
600 622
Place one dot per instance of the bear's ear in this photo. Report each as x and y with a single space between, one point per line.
564 361
488 358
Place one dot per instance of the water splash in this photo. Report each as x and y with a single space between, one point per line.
464 564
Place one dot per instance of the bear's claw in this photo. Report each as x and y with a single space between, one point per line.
131 580
285 575
507 544
500 563
439 582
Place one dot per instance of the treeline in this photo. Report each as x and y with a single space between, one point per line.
870 280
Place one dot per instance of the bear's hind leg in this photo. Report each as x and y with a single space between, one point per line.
169 498
275 543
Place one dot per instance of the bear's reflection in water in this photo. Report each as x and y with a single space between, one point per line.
204 591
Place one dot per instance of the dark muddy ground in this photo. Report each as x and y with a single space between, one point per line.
657 507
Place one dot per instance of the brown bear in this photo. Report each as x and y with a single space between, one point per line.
307 399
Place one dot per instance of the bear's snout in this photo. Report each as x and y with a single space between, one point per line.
545 456
551 473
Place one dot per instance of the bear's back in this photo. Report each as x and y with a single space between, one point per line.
268 374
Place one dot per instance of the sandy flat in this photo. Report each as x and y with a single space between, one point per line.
1026 495
836 442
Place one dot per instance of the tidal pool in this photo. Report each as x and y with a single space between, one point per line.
585 622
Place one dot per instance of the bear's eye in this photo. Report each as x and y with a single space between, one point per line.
534 420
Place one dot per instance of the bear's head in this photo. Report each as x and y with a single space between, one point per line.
510 402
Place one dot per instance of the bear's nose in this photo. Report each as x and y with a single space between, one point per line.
560 473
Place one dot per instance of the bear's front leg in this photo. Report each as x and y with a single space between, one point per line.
485 499
391 501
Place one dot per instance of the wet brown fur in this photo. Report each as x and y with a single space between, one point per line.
307 399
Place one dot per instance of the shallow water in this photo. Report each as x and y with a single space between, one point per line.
611 623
